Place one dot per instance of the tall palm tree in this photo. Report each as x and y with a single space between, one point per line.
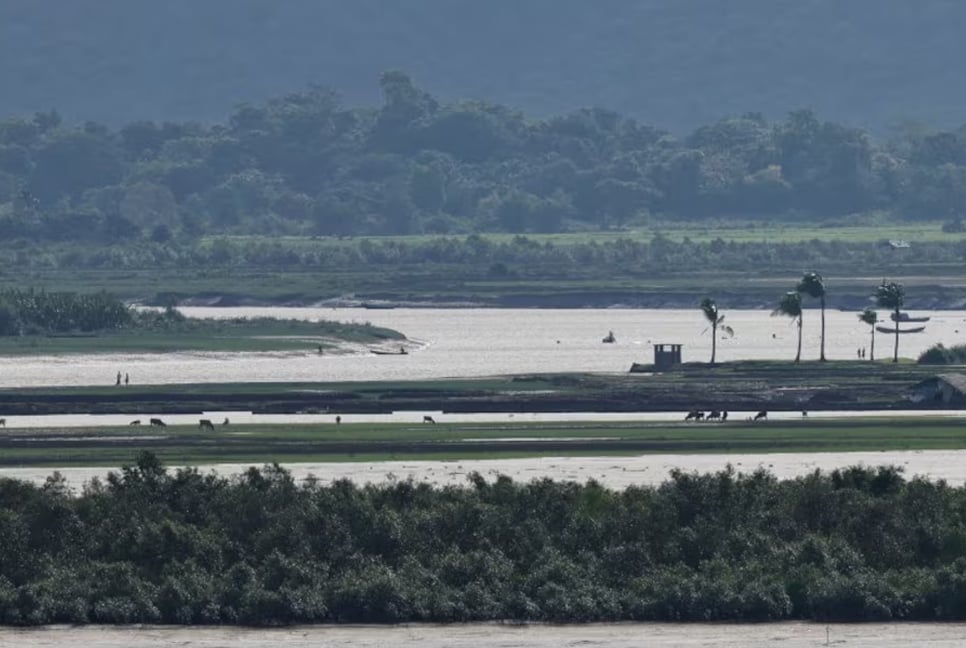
891 295
716 319
791 306
870 317
813 285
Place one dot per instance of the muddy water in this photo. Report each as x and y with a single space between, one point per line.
788 635
482 342
615 472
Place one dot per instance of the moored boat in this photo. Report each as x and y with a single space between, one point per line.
892 331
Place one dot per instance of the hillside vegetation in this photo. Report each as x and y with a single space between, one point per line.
675 64
306 164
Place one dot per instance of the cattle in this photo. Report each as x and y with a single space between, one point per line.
156 422
135 422
724 415
206 424
713 415
805 413
761 416
429 419
225 422
3 422
338 420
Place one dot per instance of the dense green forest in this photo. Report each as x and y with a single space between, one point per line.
675 63
305 164
148 545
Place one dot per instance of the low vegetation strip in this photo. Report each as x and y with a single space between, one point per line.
149 545
375 442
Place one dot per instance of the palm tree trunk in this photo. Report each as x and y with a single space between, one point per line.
714 340
872 346
798 354
821 355
895 356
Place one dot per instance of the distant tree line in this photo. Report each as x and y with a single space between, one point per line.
148 545
305 164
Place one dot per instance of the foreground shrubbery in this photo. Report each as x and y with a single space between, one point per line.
149 546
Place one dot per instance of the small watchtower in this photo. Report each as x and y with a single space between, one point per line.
667 355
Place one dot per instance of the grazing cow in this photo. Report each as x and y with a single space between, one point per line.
724 415
762 415
156 422
804 412
3 422
692 415
206 424
225 422
713 415
135 422
428 419
338 420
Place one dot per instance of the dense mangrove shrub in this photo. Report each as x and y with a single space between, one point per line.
39 311
938 354
148 545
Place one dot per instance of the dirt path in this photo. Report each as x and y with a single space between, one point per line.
788 635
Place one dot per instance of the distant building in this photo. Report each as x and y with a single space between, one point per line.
667 355
944 389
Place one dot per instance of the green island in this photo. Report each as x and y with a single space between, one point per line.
40 322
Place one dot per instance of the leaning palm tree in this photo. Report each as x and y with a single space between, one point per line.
716 319
870 317
813 285
791 306
891 295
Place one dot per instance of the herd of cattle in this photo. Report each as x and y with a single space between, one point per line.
716 415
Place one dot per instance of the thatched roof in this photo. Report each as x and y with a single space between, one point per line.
955 380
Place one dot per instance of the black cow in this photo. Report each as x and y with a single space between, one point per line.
156 422
761 416
429 419
206 424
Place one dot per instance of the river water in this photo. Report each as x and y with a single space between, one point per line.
619 635
482 342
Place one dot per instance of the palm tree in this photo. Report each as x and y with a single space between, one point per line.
813 285
791 306
870 317
891 295
716 319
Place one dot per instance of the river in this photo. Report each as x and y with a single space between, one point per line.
482 342
618 635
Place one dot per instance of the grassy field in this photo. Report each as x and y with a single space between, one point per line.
738 231
378 442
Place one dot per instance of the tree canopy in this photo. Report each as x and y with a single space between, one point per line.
306 164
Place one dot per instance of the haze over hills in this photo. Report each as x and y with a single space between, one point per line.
672 63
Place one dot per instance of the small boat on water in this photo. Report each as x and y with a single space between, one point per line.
609 338
892 331
906 317
402 351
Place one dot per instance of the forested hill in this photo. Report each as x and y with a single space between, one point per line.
307 164
672 63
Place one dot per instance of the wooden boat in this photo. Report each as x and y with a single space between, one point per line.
402 351
609 339
906 317
892 331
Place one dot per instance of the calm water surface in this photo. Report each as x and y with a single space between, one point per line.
482 342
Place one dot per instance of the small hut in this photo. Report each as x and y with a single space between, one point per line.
945 389
667 355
